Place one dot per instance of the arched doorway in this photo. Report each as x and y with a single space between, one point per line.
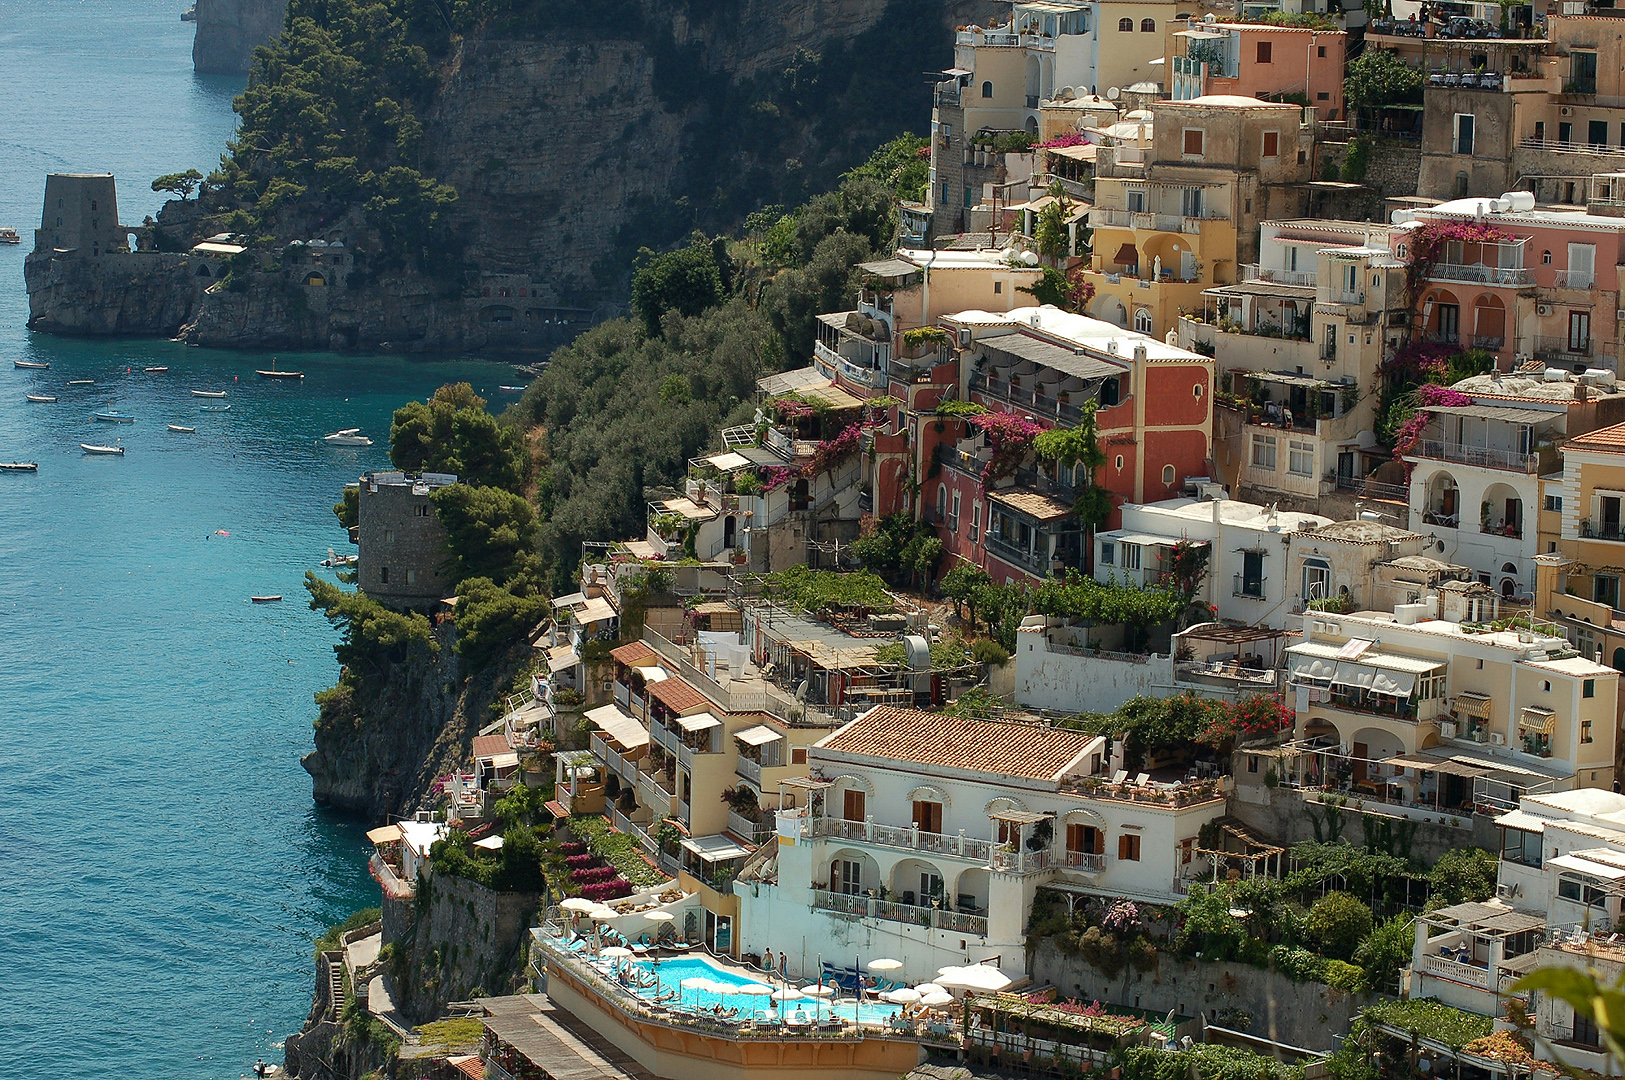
1110 309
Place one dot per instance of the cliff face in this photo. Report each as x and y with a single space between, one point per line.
568 153
379 755
144 295
229 30
457 939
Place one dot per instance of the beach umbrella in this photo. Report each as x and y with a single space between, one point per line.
983 977
577 904
696 983
927 989
617 952
603 914
789 993
754 990
818 990
660 916
936 1000
902 996
885 963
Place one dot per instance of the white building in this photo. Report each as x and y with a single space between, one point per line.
926 836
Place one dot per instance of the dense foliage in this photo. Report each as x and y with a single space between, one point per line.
491 534
901 549
829 592
1378 78
452 433
375 637
491 618
518 866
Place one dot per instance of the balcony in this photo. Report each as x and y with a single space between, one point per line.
1492 342
1562 146
1484 457
654 792
1005 552
1027 398
750 770
1247 590
1575 279
964 461
623 767
869 907
1039 482
664 736
1602 530
1086 861
1556 347
756 832
906 838
1457 971
1145 221
1513 531
1480 274
873 376
1255 272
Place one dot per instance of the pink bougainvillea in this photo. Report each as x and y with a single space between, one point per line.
1429 395
1065 138
1432 394
832 452
790 408
1010 437
778 476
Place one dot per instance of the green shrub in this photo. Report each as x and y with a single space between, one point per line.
1345 977
1338 922
1299 965
333 937
985 651
1386 950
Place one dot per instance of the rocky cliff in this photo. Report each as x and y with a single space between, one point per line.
143 295
568 153
229 30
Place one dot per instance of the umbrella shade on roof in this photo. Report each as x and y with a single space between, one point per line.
906 995
929 988
973 977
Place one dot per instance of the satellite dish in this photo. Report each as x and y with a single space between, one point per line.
1067 93
1114 93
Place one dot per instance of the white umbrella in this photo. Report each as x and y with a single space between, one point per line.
928 989
789 993
818 990
982 977
617 952
696 983
936 1000
603 914
903 996
660 916
579 904
884 964
754 990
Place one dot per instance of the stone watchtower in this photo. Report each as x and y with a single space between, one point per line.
81 215
401 544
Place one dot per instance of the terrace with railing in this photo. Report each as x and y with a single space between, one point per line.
871 907
1478 273
903 837
1255 272
1485 457
1026 397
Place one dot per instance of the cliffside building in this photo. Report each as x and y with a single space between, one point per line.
80 216
1257 60
401 556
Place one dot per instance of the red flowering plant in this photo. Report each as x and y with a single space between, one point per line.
1430 241
1259 716
1428 395
790 408
778 476
831 452
1010 437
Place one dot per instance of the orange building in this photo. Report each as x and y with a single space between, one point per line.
1258 60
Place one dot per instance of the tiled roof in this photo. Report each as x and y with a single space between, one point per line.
1607 440
632 652
490 745
679 696
470 1066
1041 507
958 742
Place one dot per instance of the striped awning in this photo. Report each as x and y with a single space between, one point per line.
1472 704
1537 721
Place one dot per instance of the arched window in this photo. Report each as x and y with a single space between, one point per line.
1619 660
1167 476
987 89
1125 25
1142 320
942 502
1148 26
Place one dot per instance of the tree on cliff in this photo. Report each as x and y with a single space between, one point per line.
179 183
491 534
687 281
375 637
452 433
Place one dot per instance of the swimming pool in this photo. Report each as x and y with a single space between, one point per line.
670 974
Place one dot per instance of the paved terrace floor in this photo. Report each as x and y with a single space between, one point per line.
556 1041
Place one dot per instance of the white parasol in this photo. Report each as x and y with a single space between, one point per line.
789 993
936 1000
660 916
928 989
818 990
617 952
577 904
603 914
983 977
902 996
754 990
885 963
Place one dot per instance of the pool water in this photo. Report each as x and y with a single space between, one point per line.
671 973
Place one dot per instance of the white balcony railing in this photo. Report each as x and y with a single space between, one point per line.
1576 279
906 838
869 907
750 770
1485 457
1087 861
754 831
1255 272
1477 272
1456 971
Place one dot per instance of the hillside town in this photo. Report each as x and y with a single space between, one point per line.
1169 625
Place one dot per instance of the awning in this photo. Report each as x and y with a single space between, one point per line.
890 268
595 610
1376 680
1434 765
1127 255
1492 412
489 843
562 657
641 550
384 834
505 761
760 735
703 721
1537 721
1586 866
727 462
1289 378
1050 355
714 848
789 381
957 71
1472 704
1303 667
1019 817
617 725
1145 539
1518 819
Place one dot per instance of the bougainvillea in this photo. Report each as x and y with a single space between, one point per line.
1257 716
778 476
1065 138
1427 396
1429 242
790 408
831 452
1010 437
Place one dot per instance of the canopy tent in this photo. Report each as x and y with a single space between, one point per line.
384 834
760 735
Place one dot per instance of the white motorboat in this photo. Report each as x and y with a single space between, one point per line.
41 399
91 448
183 430
208 393
347 437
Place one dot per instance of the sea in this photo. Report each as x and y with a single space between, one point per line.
163 869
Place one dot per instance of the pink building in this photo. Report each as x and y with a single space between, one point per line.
1257 60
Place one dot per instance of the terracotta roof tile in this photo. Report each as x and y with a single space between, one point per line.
680 697
632 652
491 745
471 1067
958 742
1607 440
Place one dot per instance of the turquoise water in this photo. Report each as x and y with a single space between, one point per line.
164 867
671 973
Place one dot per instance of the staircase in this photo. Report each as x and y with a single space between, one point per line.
335 985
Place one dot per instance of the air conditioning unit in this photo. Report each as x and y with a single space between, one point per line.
1565 111
1543 310
1497 738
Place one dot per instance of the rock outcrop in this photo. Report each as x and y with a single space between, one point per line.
229 30
147 294
455 940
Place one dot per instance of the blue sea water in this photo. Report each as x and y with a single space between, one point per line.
162 867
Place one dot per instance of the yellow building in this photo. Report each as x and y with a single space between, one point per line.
1168 223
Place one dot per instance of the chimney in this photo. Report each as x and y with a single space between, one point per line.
1139 352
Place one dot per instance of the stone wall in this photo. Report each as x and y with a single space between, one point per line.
464 938
1285 817
1299 1014
229 30
400 539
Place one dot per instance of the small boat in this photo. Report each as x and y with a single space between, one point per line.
347 437
9 236
275 374
266 599
112 416
208 393
183 430
214 408
92 449
81 382
35 365
512 389
335 559
19 466
41 399
156 370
